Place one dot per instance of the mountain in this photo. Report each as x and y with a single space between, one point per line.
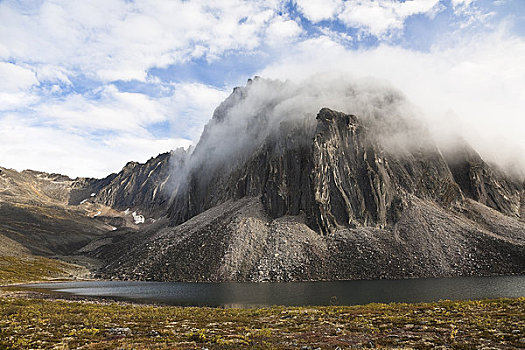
335 196
33 214
144 188
281 188
52 215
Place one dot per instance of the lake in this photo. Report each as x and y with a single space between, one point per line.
295 293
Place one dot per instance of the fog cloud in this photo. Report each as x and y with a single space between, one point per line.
245 121
472 88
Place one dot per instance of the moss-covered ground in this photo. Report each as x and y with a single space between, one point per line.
17 269
28 320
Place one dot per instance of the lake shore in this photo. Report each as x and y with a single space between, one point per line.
29 319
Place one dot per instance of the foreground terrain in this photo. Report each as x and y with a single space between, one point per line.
31 320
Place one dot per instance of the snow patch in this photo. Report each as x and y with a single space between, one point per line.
139 219
126 212
83 201
93 194
97 214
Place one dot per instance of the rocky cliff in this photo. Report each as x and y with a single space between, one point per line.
145 188
334 196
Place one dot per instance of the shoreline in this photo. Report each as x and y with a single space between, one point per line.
257 295
30 293
55 280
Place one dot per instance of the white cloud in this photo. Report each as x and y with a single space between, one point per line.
15 78
51 73
318 10
120 40
375 17
14 100
15 85
378 17
192 106
111 110
57 150
474 88
468 14
282 31
456 3
335 35
80 136
98 130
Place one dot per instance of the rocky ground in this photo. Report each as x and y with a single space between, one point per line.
237 241
30 320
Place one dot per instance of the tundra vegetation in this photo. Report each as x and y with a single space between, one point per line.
29 319
19 269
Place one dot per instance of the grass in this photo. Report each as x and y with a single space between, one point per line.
18 269
32 322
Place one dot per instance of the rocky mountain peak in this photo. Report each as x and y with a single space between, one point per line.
336 173
328 198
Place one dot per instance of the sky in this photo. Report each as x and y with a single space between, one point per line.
86 86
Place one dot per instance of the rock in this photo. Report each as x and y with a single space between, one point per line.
481 182
120 331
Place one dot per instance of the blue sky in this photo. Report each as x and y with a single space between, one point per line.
87 86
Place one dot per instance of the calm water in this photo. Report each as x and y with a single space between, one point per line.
297 293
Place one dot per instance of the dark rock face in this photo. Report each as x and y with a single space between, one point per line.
341 178
138 185
358 182
51 214
483 183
